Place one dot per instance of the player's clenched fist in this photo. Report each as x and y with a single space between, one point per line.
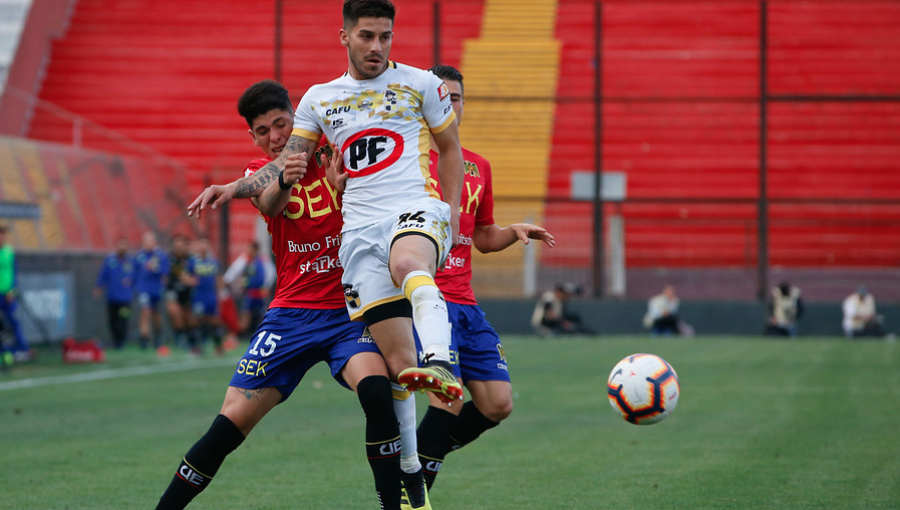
295 168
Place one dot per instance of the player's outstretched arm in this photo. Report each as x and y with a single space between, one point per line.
276 196
450 172
489 238
251 185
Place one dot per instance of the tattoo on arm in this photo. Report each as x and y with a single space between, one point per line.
253 185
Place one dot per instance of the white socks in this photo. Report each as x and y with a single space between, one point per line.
429 314
405 409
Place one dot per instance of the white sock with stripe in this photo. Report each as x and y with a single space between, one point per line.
429 314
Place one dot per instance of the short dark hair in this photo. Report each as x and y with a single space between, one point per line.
262 97
355 9
446 72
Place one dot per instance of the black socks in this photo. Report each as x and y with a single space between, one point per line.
201 463
382 438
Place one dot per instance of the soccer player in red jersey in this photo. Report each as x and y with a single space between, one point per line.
480 362
306 322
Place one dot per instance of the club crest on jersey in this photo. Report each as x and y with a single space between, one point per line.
443 91
351 296
471 169
370 151
390 100
501 352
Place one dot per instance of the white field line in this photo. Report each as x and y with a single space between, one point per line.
114 373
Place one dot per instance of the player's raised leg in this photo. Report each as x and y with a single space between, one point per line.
414 259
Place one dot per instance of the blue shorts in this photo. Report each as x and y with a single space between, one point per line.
475 349
291 340
205 306
148 300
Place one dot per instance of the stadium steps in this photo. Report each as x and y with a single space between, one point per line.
167 76
14 189
49 227
510 77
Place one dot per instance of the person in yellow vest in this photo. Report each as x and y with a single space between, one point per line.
860 317
784 310
8 293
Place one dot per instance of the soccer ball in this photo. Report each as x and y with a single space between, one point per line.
643 389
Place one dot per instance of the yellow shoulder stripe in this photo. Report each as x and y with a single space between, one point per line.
445 125
309 135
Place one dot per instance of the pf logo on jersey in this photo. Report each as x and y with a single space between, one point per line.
370 151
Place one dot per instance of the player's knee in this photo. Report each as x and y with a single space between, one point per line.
498 410
240 418
397 362
374 393
405 262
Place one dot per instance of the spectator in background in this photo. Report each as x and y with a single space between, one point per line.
860 319
551 315
8 294
203 268
784 310
152 265
178 290
250 277
662 313
116 278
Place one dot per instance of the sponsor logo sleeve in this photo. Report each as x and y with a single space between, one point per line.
436 106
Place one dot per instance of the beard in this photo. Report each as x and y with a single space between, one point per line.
364 68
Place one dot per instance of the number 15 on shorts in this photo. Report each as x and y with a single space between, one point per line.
268 346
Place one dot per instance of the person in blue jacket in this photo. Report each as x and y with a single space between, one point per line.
152 264
203 268
116 278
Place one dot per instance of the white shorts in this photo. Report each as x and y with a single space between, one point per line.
365 251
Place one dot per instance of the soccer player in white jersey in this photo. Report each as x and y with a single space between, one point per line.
397 231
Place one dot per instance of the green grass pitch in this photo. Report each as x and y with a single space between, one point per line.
761 424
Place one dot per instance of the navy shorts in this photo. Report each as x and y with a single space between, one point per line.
205 306
291 340
148 300
475 349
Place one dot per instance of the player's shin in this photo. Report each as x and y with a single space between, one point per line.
433 434
429 314
469 425
405 409
201 463
382 438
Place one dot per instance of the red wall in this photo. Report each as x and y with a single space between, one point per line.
680 116
680 111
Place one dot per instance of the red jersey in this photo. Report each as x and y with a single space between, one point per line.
305 240
476 208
